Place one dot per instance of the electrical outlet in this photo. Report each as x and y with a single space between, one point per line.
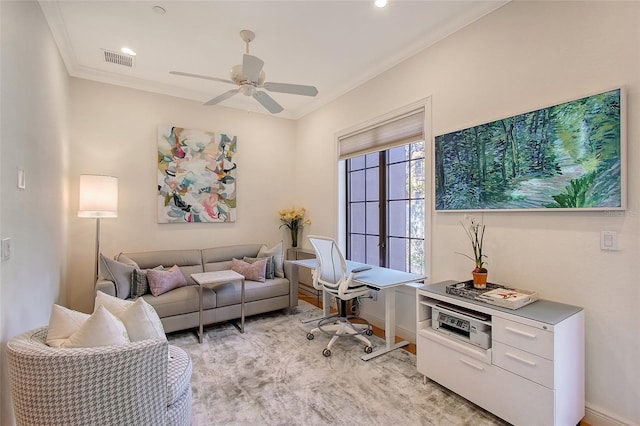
6 249
373 294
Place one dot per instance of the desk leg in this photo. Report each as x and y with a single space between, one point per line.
326 309
200 326
242 308
240 327
389 326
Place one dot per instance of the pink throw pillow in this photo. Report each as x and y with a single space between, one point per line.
163 281
251 271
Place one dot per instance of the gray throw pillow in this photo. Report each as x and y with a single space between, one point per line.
119 273
270 272
140 282
277 252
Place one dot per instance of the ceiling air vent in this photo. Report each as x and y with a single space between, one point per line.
118 58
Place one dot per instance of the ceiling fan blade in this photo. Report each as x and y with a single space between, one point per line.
205 77
251 67
220 98
294 89
267 101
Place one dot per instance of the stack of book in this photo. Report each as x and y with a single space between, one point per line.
508 298
494 294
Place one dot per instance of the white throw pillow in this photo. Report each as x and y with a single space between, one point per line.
63 323
277 252
115 305
140 319
142 322
102 328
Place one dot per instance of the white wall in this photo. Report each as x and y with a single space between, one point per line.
522 57
33 137
114 132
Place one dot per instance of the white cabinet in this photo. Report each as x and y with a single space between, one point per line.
530 373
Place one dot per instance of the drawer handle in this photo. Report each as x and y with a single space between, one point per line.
521 333
470 364
522 360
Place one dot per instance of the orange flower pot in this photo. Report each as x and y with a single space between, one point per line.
480 279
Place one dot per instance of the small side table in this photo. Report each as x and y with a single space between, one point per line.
216 278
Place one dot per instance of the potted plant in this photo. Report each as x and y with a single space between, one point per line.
295 221
475 232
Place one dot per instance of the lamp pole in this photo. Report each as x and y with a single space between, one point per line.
98 199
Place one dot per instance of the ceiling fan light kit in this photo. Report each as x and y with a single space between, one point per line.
249 77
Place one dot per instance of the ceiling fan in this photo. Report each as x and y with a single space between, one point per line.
249 77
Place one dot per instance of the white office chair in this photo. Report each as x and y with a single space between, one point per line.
331 276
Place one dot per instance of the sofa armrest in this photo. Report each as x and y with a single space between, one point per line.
291 273
106 286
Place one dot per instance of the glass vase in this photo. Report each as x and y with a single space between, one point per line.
294 237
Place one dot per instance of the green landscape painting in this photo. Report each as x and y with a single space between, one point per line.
568 156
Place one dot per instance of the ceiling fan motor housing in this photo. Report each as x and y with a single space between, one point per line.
239 78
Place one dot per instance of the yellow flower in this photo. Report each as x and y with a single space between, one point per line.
293 218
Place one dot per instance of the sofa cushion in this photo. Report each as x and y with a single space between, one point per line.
63 322
250 271
178 373
118 272
182 300
163 281
102 328
277 252
229 294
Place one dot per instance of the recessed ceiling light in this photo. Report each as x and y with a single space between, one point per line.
159 10
128 51
381 3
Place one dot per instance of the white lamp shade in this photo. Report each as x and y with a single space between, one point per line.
98 196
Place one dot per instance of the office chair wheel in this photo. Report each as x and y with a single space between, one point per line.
368 349
369 332
326 352
310 336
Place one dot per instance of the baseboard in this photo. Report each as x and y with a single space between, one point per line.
595 416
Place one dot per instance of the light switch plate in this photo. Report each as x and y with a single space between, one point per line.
609 240
22 184
6 249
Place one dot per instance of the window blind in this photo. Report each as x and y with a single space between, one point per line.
400 130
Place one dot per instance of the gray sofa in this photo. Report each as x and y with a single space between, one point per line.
178 308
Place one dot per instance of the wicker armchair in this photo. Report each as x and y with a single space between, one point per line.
133 384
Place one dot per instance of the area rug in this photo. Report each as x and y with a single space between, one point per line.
273 375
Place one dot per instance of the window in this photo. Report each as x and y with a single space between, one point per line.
386 208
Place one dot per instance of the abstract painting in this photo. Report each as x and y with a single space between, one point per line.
196 176
564 157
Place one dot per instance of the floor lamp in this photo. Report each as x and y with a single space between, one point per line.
98 199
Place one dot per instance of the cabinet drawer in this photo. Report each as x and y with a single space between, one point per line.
507 395
524 364
524 337
466 376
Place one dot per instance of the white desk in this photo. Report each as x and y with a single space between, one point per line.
382 279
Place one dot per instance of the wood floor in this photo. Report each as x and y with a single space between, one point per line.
376 330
